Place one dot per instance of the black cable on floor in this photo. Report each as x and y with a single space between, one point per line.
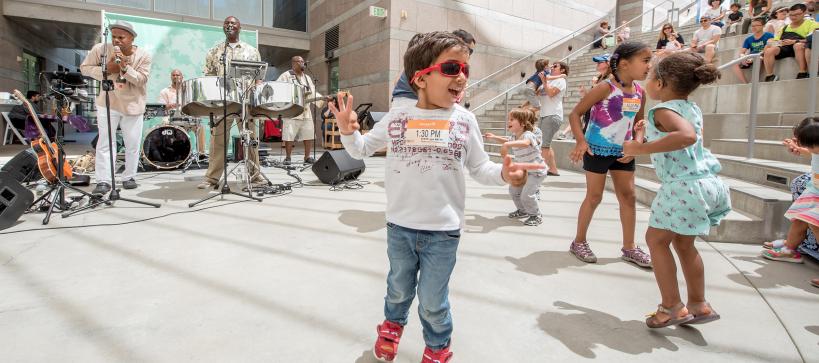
138 220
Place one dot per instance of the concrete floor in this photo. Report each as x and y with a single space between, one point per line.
301 277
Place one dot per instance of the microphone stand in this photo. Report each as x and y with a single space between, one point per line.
107 86
225 187
313 108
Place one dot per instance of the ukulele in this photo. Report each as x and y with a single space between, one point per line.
46 150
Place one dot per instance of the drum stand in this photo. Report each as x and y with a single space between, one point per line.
247 142
194 158
225 188
113 196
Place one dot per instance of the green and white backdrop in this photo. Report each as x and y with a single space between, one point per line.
175 45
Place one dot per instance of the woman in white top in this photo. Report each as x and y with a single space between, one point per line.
779 20
716 13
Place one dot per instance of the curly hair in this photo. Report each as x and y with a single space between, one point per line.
685 71
525 116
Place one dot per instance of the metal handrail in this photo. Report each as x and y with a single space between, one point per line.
552 44
752 113
740 59
568 56
812 69
556 42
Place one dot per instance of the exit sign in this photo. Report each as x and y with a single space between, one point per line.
378 12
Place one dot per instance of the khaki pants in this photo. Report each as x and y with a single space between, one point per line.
217 152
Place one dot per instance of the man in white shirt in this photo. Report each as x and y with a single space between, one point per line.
706 39
551 112
300 127
169 96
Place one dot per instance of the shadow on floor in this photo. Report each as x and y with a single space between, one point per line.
487 225
177 190
773 274
583 329
564 185
363 221
545 263
496 196
814 329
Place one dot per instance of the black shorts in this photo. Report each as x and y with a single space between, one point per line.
602 164
786 51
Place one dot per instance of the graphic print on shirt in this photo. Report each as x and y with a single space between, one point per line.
612 120
429 143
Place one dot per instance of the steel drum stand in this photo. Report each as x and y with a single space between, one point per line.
225 188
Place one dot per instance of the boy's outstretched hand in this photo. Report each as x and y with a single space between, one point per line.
515 173
346 118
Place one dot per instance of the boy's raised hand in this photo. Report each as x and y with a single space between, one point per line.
515 173
346 118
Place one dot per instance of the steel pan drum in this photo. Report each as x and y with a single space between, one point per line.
202 96
278 98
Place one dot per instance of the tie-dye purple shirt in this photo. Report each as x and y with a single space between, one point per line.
612 121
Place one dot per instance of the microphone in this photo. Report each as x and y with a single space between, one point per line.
116 51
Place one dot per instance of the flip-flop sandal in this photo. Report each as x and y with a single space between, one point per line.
705 318
652 322
815 282
773 245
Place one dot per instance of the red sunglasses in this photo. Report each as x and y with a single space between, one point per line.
448 69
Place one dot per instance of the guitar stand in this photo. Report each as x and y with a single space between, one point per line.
58 188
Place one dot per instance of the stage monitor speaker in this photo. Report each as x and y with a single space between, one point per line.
335 166
23 167
14 200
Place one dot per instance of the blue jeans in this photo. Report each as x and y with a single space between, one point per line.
424 259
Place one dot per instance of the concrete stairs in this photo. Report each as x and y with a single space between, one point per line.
760 186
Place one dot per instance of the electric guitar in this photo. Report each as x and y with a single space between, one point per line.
46 150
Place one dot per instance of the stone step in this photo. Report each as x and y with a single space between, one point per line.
763 149
789 96
757 200
734 228
774 133
771 173
738 227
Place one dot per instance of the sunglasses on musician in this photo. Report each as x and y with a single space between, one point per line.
449 69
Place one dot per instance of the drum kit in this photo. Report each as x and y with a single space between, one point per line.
169 146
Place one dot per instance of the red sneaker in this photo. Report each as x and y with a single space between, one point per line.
389 335
437 356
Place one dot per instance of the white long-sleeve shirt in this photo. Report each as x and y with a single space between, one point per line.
428 152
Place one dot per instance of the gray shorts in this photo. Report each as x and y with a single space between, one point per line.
549 125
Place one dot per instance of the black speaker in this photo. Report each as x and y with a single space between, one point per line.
335 166
14 200
23 167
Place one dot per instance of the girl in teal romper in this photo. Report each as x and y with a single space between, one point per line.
691 198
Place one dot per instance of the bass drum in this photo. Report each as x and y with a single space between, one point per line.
166 147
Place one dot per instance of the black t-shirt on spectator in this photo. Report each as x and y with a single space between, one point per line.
735 16
663 42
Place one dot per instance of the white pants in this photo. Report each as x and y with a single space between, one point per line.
132 134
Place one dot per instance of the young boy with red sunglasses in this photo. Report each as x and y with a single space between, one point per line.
430 146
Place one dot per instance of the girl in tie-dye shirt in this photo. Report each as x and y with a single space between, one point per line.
615 103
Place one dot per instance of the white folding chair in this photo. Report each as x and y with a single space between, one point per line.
11 131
